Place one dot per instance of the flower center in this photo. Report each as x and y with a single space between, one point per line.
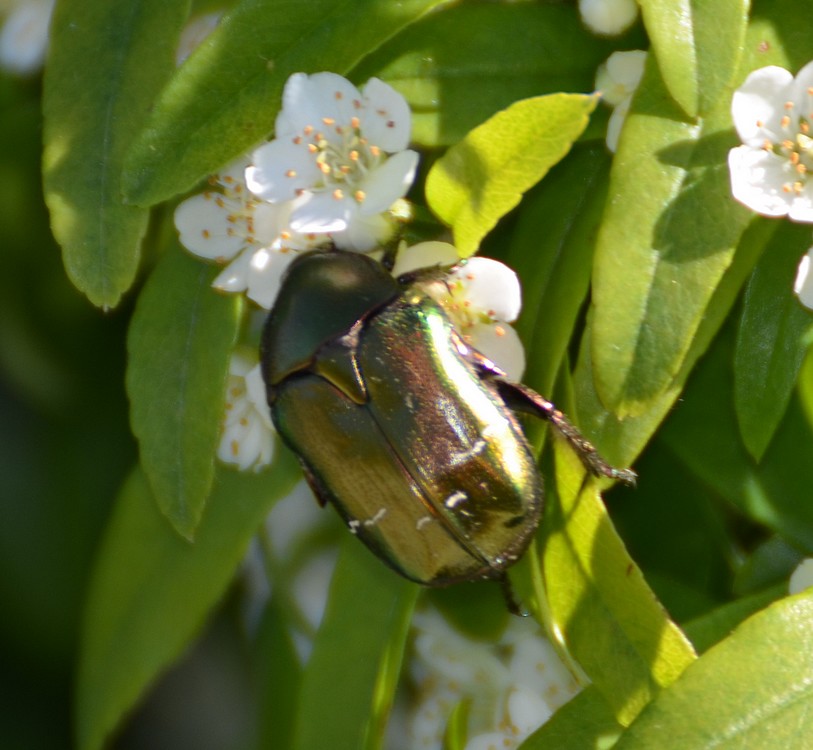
796 148
453 298
344 161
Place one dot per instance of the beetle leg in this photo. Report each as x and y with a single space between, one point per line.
521 398
511 601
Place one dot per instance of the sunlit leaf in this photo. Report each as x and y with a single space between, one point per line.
751 690
480 179
608 617
698 45
661 252
583 723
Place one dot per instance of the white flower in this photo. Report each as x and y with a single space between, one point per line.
195 32
772 114
608 17
617 78
512 685
339 154
247 437
481 296
801 578
252 236
803 286
24 36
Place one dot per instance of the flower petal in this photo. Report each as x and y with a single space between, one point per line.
757 106
803 286
318 213
425 255
281 169
266 269
364 233
257 395
500 343
234 277
389 182
308 101
757 179
491 286
386 120
204 226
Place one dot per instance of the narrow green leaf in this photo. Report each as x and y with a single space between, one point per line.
621 440
610 620
179 343
350 679
586 722
770 345
661 251
480 179
278 676
711 628
698 44
704 434
505 52
754 689
552 251
151 590
225 98
107 61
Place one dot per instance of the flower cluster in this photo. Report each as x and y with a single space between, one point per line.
513 685
773 115
247 433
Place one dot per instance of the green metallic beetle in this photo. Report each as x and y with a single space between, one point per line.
409 432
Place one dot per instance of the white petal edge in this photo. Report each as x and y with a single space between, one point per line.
758 105
280 169
387 118
389 182
491 286
756 180
425 255
203 225
803 288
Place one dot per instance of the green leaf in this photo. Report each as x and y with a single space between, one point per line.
770 345
505 52
179 343
661 251
704 434
621 440
106 62
480 179
224 100
585 722
754 689
712 627
349 683
552 252
151 590
277 678
698 45
610 620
